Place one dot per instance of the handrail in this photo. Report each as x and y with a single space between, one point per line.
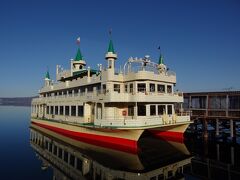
142 91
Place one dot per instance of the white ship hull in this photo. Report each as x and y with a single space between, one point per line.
120 139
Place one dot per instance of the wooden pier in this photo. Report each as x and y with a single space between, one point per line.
214 106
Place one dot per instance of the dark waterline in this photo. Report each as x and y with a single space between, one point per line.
20 160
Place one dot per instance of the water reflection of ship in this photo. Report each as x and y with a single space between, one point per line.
71 159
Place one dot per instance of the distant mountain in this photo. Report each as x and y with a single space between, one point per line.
16 101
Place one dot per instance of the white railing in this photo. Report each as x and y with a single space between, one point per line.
184 113
141 91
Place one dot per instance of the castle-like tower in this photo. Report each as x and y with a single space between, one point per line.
111 56
162 68
78 63
47 79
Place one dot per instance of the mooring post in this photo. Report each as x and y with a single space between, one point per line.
217 127
232 130
205 130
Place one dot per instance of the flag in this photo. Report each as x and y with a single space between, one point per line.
78 40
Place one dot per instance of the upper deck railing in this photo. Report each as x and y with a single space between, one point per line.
134 65
104 93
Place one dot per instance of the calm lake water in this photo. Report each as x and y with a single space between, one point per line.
30 153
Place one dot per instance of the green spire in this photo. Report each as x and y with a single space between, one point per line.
47 76
79 55
110 47
160 61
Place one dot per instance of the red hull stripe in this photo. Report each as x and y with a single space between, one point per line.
169 135
116 143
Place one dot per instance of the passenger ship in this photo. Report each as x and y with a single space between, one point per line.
109 107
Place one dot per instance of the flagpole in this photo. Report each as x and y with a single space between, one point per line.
110 33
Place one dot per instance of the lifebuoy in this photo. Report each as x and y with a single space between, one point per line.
124 113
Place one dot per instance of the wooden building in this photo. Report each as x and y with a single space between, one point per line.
215 106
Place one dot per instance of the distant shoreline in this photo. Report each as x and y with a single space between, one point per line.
16 101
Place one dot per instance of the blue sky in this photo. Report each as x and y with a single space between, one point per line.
200 40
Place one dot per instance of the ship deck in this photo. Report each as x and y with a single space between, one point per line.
92 125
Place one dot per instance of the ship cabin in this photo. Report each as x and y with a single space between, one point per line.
140 94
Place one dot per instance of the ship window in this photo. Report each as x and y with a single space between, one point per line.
46 144
130 110
50 147
169 89
61 110
67 110
161 109
73 110
98 88
51 109
104 88
161 88
80 111
47 109
131 88
152 110
66 156
152 87
141 110
60 153
55 150
169 108
170 174
116 87
75 91
153 178
126 88
79 164
56 110
160 177
110 62
90 88
141 87
72 160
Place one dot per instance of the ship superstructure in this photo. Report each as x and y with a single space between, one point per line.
110 105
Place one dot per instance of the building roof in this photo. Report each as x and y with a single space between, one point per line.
47 76
110 47
79 56
80 73
160 61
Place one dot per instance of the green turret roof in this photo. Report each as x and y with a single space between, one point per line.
110 47
160 61
79 55
47 76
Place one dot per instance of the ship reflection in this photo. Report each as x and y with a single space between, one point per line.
71 159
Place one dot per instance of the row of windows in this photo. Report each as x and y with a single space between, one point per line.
66 110
77 90
154 110
58 151
141 87
213 102
62 154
